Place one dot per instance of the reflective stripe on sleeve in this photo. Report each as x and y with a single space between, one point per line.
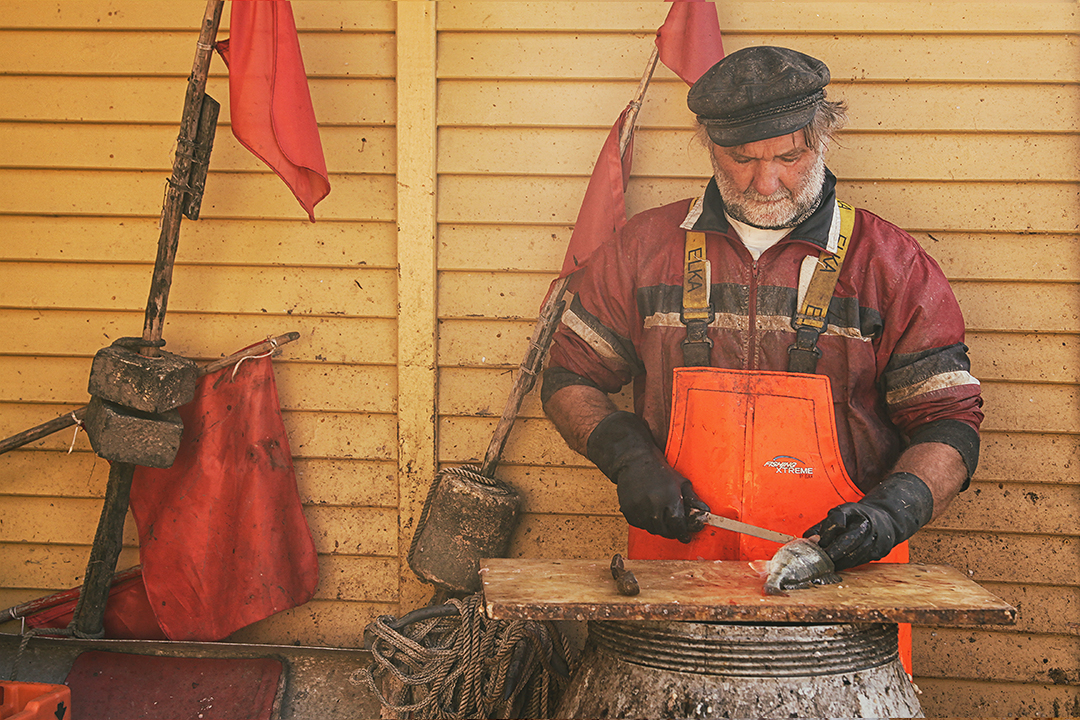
940 381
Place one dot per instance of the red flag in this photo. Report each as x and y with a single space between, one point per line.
222 536
689 44
689 40
128 614
603 211
270 105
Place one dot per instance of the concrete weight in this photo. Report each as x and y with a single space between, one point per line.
123 435
146 384
466 517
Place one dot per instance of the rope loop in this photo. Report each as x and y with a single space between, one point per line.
461 664
181 186
236 367
13 675
78 424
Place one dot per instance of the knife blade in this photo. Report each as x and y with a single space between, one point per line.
744 528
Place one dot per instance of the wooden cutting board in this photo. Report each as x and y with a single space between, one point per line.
687 590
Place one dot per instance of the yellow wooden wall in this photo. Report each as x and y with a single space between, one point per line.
92 95
459 138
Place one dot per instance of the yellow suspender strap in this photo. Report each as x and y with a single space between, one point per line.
696 309
810 319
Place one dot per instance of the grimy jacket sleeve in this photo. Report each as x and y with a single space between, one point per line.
596 340
929 391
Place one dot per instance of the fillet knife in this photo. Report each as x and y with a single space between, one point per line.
741 527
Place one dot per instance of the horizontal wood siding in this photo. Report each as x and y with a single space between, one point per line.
963 131
94 93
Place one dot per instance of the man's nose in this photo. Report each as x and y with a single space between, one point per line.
766 179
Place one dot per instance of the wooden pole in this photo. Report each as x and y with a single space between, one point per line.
43 430
89 620
552 310
89 617
172 209
635 104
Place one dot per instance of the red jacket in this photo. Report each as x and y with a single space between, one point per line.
893 350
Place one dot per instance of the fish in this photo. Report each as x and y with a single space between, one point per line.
799 564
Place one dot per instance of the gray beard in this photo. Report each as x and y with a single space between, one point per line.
783 209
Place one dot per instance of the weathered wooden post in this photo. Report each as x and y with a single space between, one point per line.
89 619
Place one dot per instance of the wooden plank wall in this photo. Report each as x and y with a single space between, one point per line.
964 118
93 94
963 130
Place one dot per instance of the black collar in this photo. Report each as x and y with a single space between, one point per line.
814 229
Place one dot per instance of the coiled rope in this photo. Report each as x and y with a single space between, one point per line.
452 662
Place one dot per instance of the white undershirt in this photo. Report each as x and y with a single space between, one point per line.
757 240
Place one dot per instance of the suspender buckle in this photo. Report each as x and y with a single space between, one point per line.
697 331
806 339
804 353
697 347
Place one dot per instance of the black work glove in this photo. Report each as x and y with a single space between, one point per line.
652 496
856 533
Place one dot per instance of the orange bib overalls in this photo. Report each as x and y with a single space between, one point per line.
760 447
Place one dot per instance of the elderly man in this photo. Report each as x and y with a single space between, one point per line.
803 360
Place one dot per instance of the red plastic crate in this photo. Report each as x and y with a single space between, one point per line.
34 701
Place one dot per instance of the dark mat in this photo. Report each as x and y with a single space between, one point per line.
121 686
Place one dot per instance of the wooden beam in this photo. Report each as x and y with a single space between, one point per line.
416 182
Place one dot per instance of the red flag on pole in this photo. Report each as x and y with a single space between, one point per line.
128 613
689 43
603 211
689 40
270 105
222 535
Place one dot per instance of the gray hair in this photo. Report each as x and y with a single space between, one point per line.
830 117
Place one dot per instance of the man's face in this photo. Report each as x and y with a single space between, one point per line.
773 183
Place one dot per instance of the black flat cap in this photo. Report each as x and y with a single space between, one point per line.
758 93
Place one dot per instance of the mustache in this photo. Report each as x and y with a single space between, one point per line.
781 194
